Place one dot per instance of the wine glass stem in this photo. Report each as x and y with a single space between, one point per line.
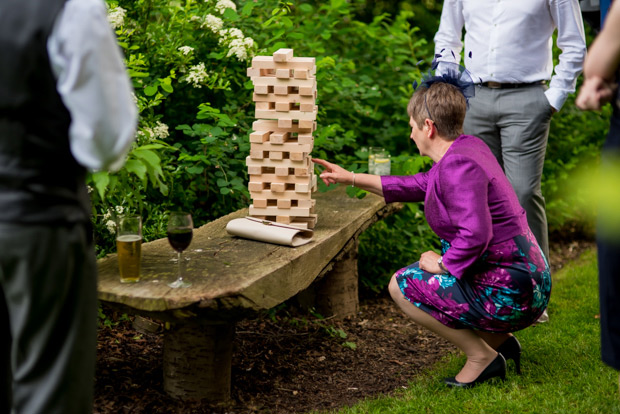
180 257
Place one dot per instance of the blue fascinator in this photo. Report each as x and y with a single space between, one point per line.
451 73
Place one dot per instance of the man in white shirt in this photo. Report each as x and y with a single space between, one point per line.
508 50
65 107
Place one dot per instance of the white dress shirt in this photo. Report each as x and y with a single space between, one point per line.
93 84
510 41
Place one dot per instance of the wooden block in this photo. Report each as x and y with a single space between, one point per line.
305 139
301 172
276 155
258 154
302 188
285 123
304 107
306 90
281 106
259 136
308 222
291 147
258 203
263 105
284 203
279 137
307 86
254 170
268 62
296 156
282 55
306 123
253 72
283 219
280 90
282 195
256 186
315 186
283 73
309 203
271 163
273 125
281 171
298 73
274 211
261 89
291 97
278 187
272 114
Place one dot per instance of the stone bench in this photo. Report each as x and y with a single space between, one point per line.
234 278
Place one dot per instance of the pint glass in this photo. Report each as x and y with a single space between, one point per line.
128 246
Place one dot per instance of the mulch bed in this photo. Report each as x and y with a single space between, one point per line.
286 361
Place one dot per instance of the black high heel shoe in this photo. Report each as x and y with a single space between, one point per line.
497 368
511 349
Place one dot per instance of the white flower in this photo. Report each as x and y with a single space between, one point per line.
248 42
186 50
111 225
107 215
237 48
160 130
213 22
89 189
222 5
116 16
119 209
197 75
194 18
135 98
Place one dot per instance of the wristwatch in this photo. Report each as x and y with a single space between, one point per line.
441 266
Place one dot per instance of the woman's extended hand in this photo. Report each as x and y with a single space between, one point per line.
428 262
334 173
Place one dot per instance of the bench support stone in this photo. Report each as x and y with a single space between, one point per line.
197 360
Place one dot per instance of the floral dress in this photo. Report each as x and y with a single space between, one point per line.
507 289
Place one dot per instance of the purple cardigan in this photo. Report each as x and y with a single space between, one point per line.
468 201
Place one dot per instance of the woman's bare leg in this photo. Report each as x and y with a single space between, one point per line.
479 353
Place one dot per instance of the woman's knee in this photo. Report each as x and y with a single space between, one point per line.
394 289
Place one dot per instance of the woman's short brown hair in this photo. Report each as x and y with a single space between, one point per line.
442 103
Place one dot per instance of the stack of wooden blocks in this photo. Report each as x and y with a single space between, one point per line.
280 167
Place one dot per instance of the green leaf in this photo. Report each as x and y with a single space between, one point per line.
148 156
247 8
150 90
224 190
137 168
101 179
231 15
196 169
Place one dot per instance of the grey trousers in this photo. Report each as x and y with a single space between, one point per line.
514 123
48 319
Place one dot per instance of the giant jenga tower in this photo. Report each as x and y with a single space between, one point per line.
279 165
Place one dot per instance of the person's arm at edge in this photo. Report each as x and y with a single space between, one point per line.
448 39
93 84
604 53
572 42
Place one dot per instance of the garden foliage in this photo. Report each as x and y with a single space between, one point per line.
188 60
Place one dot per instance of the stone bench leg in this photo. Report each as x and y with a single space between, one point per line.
197 361
336 294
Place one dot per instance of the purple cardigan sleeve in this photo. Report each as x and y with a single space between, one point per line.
463 190
404 188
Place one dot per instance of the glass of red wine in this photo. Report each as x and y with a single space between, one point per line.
179 231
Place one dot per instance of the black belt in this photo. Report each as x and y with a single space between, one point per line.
498 85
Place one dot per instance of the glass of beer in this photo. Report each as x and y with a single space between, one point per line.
128 246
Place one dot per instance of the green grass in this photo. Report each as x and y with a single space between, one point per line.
562 370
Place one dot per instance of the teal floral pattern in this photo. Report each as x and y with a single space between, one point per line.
506 290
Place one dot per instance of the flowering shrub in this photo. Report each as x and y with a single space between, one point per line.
188 62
